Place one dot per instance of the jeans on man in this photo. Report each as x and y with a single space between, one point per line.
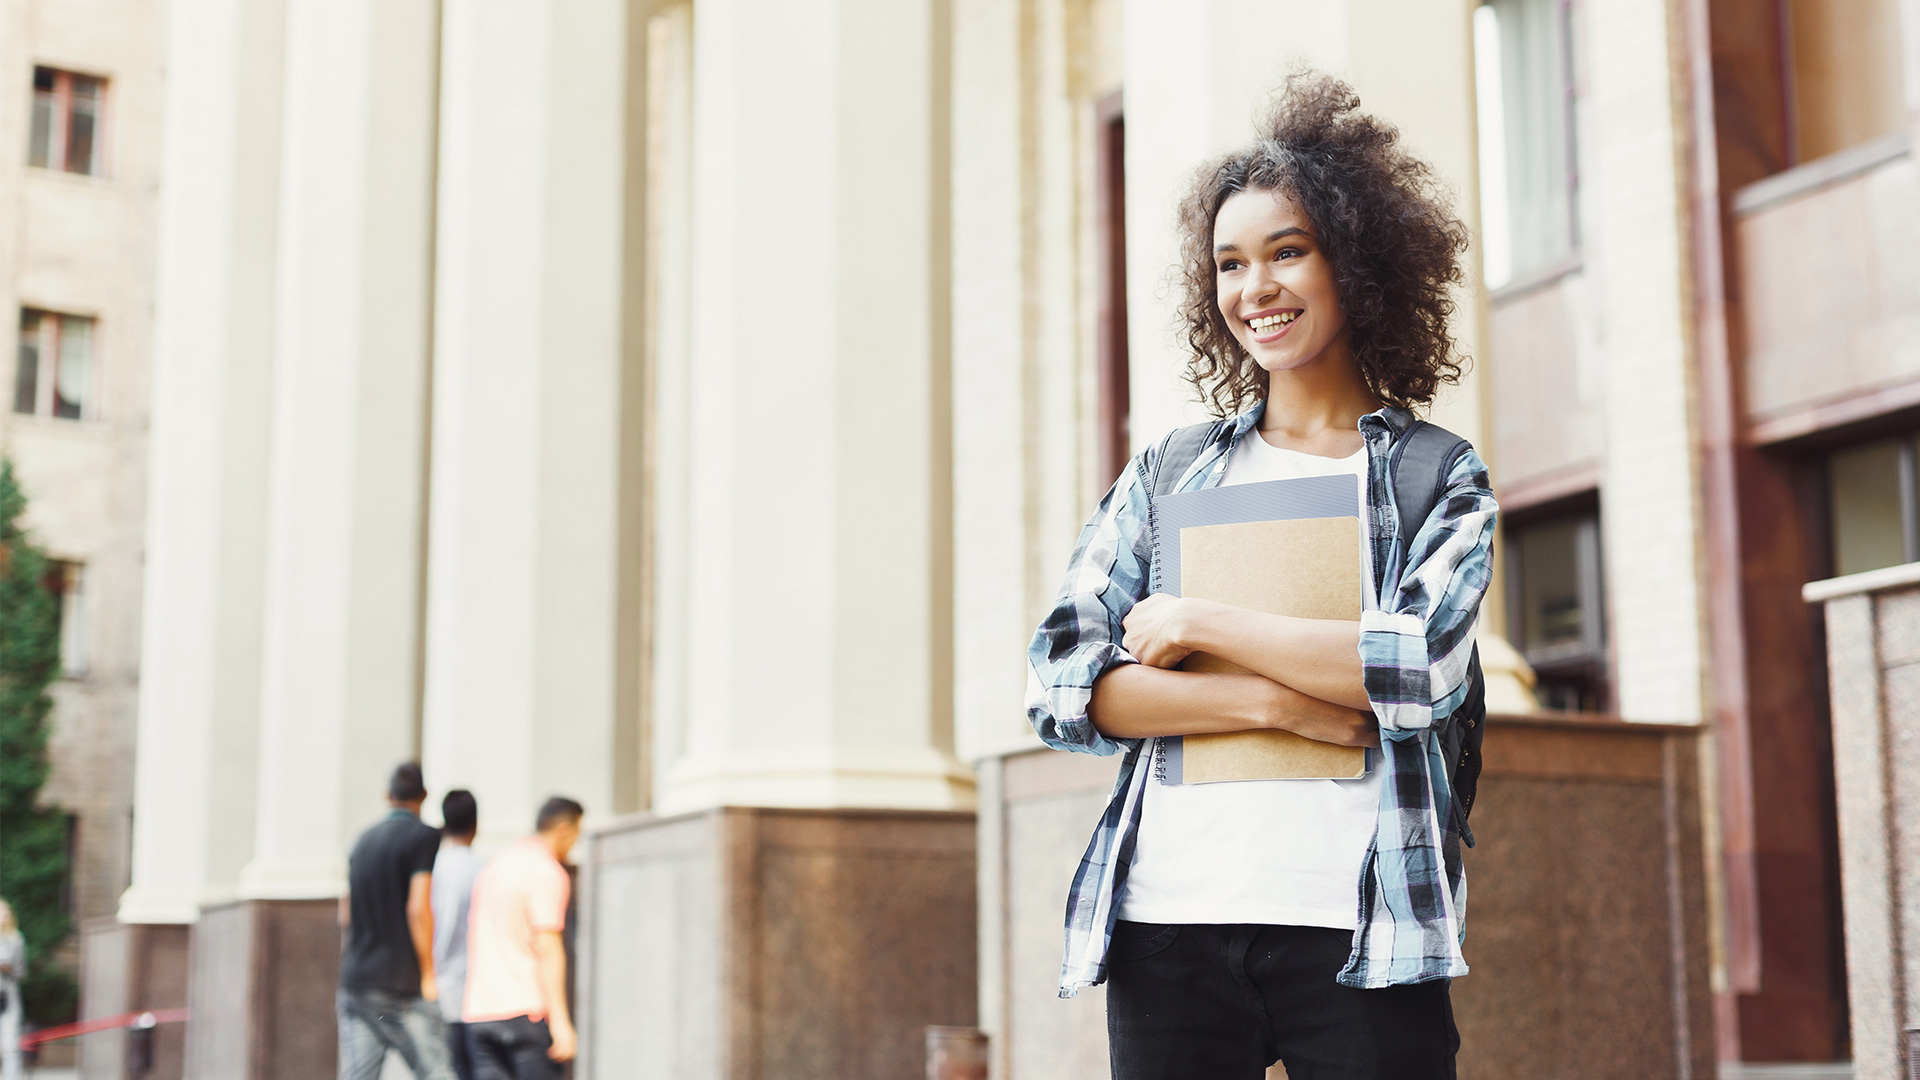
511 1049
457 1050
373 1022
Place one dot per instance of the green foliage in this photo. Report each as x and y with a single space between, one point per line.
33 838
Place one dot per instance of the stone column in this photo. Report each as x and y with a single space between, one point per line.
1873 669
206 523
195 767
339 691
1024 377
1197 76
525 545
818 621
1655 608
338 644
809 777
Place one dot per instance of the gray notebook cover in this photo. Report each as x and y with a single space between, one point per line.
1269 500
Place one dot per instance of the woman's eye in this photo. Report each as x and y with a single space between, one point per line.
1230 264
1289 253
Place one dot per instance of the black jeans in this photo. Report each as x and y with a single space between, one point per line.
1222 1002
511 1049
457 1049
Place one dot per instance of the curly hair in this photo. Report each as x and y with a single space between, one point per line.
1382 218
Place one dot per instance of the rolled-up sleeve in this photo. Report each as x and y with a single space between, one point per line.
1415 649
1079 640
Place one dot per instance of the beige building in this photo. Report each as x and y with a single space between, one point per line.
688 407
80 90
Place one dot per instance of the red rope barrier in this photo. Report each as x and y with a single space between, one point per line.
105 1023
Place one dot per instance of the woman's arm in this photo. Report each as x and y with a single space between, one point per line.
1134 701
1319 658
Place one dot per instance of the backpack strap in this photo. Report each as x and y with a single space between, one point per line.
1421 461
1419 467
1178 451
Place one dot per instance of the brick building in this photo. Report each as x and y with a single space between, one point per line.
80 127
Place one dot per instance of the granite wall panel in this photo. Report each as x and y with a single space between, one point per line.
1586 924
751 944
132 968
261 985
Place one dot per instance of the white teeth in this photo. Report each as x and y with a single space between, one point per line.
1272 322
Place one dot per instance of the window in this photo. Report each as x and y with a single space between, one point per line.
1555 606
1843 70
1524 86
67 582
55 372
1871 498
67 110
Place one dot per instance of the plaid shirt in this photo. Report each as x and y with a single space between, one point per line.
1415 643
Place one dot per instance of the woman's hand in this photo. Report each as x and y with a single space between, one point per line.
1153 631
1157 628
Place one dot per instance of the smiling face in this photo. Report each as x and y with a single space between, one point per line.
1276 287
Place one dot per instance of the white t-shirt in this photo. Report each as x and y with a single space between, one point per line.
1278 852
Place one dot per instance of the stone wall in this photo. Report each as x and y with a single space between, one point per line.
751 944
1873 658
1586 924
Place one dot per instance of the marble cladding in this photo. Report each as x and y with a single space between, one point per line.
261 987
756 944
132 968
1586 926
1873 665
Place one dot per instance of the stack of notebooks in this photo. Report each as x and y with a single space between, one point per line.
1285 547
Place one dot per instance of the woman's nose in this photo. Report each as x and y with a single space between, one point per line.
1262 285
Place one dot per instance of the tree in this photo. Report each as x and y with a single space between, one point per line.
33 838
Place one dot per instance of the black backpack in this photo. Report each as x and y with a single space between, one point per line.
1421 461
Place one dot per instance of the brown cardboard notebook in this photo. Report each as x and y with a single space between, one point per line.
1305 567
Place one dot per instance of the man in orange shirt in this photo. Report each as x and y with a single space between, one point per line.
518 1027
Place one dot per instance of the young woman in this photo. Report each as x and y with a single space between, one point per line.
13 968
1314 922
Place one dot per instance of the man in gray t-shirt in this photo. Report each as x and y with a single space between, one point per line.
454 869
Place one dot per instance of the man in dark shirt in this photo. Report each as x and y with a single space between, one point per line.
386 999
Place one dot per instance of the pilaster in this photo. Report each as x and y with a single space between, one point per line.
531 374
340 640
818 617
194 786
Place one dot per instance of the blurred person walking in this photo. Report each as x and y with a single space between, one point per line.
453 872
386 1000
13 968
518 1025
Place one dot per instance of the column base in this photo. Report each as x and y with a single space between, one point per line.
261 991
141 907
919 779
132 967
765 944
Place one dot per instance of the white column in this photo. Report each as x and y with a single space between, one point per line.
818 633
206 510
1651 520
530 362
1198 76
338 698
991 359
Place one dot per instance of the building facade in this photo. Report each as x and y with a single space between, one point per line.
80 124
688 407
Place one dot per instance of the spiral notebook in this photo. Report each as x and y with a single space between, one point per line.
1285 547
